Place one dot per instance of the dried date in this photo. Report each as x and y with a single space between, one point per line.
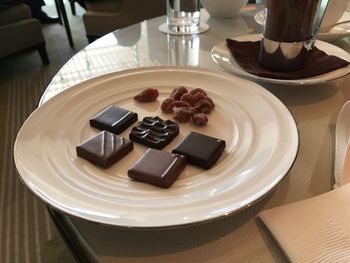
178 92
199 119
167 105
179 103
210 101
182 114
198 91
147 95
189 99
203 106
199 96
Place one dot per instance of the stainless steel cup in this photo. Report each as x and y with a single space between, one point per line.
290 30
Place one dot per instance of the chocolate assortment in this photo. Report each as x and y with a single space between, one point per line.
104 148
201 150
157 168
154 132
154 166
113 119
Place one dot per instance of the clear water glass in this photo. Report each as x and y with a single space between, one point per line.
183 15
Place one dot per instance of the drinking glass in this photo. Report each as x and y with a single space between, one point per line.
183 15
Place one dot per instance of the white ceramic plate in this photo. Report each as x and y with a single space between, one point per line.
260 134
335 33
221 55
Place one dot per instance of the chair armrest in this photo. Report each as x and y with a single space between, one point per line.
105 6
14 14
144 9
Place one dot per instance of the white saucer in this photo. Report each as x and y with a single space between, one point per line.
202 28
335 33
221 55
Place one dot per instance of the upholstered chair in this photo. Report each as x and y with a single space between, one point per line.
20 32
104 16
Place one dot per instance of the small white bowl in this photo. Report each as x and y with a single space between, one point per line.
223 8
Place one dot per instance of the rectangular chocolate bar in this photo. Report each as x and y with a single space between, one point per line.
113 119
157 168
104 148
201 150
154 132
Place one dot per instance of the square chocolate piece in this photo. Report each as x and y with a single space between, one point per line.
104 149
157 168
113 119
201 150
154 132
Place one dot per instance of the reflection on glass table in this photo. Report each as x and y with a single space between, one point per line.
183 50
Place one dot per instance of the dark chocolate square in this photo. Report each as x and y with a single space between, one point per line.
113 119
201 150
157 168
104 148
154 132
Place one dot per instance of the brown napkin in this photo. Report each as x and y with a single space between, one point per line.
246 53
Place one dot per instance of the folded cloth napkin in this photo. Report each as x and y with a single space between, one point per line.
313 230
246 53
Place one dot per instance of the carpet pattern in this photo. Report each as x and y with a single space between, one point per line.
26 232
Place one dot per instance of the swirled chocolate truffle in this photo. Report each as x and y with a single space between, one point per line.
154 132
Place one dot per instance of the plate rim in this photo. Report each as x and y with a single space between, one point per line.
78 86
294 82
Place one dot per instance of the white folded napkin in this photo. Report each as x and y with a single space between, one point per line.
313 230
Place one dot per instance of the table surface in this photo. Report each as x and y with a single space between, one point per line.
240 237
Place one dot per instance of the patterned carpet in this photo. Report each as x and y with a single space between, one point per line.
26 232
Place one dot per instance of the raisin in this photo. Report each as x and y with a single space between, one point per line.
147 95
210 101
203 106
189 99
198 91
199 96
167 105
182 114
193 110
199 119
179 103
178 92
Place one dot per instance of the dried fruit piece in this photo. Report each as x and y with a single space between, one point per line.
210 101
147 95
182 114
198 91
189 99
199 119
179 103
188 105
178 92
167 105
203 106
193 110
199 96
